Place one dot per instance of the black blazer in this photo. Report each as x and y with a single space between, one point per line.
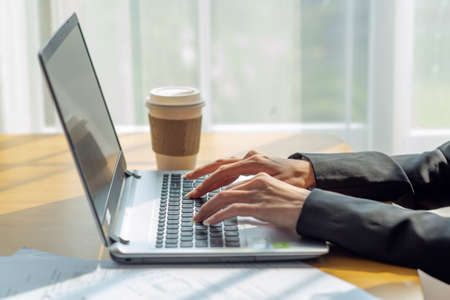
340 209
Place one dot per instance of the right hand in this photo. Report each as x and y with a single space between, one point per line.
262 197
224 171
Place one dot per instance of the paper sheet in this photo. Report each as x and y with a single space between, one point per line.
433 289
38 275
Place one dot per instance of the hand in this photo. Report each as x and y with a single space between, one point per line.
262 197
224 171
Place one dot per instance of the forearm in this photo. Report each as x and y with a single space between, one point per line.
379 231
371 175
429 174
417 181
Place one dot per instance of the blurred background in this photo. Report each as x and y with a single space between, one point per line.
374 73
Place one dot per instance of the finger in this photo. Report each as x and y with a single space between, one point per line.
223 175
209 168
234 210
214 186
250 153
236 184
221 200
258 181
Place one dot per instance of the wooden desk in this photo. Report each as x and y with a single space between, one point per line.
43 206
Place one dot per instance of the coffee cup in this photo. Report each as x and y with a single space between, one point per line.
175 116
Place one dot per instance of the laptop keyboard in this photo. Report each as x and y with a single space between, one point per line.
175 229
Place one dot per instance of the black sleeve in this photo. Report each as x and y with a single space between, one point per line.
429 174
414 181
416 239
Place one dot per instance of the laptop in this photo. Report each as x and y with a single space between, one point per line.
143 216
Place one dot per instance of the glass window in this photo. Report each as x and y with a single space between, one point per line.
431 65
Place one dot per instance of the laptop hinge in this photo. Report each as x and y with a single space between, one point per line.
117 239
128 173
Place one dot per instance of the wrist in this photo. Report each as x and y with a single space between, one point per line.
310 178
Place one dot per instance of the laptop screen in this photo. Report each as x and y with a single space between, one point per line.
83 110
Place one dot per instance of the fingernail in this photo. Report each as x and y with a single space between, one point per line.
206 222
185 175
191 193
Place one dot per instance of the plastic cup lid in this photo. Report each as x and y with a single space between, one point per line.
173 96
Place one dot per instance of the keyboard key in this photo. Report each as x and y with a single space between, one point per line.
231 239
231 233
232 245
171 226
216 234
200 226
174 231
173 212
187 244
186 233
230 221
172 241
217 244
231 228
186 238
171 236
189 229
159 245
201 244
201 237
172 217
174 222
171 246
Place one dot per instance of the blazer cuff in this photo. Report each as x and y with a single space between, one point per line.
371 175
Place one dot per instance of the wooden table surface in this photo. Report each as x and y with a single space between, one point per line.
42 204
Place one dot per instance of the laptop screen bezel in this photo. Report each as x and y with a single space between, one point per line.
118 177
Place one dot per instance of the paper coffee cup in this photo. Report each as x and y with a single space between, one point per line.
175 116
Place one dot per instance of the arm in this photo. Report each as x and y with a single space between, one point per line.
414 181
379 231
429 174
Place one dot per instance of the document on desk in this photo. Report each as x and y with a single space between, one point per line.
38 275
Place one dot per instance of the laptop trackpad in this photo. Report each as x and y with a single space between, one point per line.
261 235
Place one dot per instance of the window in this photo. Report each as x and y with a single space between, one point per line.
371 72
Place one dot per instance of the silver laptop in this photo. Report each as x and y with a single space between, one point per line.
143 216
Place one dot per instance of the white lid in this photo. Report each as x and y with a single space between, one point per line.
172 96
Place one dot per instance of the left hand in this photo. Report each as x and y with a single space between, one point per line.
224 171
263 197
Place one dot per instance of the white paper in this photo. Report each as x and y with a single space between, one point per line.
433 289
43 276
